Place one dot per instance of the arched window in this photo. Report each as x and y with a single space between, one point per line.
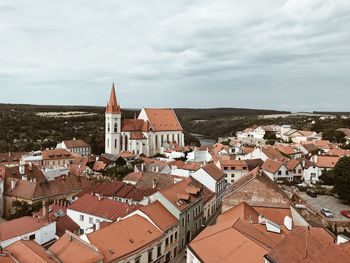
108 127
121 142
126 143
173 137
161 140
115 143
116 127
156 139
178 139
167 138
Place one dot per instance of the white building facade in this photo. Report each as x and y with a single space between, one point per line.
143 135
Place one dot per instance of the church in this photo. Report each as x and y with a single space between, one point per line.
148 134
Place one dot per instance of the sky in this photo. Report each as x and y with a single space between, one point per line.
272 54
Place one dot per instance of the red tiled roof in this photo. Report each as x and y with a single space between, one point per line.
273 154
75 144
56 154
271 166
327 161
35 190
292 164
112 105
159 215
28 251
20 226
132 125
213 171
125 237
243 211
104 208
99 166
178 191
137 136
163 120
320 248
71 249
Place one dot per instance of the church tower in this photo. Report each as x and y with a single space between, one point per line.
113 117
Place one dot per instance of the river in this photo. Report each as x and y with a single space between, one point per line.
203 140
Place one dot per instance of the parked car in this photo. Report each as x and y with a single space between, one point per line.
345 213
311 193
327 213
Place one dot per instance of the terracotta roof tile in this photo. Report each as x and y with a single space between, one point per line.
75 144
273 154
163 120
320 248
271 166
56 154
20 226
159 215
28 251
125 237
213 171
71 249
104 208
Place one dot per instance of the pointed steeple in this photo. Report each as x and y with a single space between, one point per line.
112 105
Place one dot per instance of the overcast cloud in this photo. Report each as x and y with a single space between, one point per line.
292 55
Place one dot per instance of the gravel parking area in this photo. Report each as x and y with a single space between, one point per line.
330 202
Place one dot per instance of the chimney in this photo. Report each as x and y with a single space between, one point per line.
154 183
45 210
13 184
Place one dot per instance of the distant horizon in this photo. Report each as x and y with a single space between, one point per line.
193 108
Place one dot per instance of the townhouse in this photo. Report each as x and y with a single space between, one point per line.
89 211
214 179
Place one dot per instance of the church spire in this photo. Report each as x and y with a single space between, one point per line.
112 105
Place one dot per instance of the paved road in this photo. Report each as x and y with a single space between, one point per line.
326 201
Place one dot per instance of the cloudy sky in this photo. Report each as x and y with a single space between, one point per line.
292 55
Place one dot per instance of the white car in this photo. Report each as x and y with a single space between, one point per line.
327 213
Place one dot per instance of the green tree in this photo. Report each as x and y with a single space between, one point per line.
342 178
334 136
328 177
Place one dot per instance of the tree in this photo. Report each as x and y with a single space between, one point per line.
270 136
342 178
334 136
328 177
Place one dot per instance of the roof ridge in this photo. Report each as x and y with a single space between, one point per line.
228 227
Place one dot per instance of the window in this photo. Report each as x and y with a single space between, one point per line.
279 172
91 220
81 217
159 251
32 237
81 231
183 221
108 127
171 239
176 235
116 127
175 250
138 260
188 217
150 259
115 144
287 173
167 242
